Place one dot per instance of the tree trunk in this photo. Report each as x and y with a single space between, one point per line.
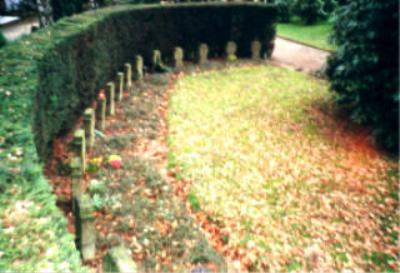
92 4
45 12
2 6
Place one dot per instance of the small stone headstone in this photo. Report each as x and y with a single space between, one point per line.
89 124
76 177
138 68
110 95
203 54
231 49
79 147
118 260
120 81
178 57
128 73
85 227
256 50
101 111
156 61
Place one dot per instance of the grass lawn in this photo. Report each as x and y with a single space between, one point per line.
290 187
32 231
316 35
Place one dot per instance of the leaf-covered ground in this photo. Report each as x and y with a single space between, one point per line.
135 205
255 169
288 186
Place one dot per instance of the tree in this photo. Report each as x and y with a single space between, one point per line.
308 10
45 12
2 6
365 67
284 9
92 4
3 40
329 6
62 8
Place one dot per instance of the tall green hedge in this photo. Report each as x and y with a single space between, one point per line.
3 40
63 8
364 70
48 78
310 11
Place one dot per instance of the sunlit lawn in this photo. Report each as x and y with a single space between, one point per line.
316 35
291 188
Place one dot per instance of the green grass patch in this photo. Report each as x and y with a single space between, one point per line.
316 35
27 209
194 202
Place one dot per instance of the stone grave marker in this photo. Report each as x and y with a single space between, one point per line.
230 50
256 50
138 68
76 177
118 259
178 57
101 111
79 147
156 61
110 95
89 124
85 227
128 73
203 54
120 82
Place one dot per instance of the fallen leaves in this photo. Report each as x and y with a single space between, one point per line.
265 160
274 179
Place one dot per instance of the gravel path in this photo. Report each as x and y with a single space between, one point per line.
18 29
298 56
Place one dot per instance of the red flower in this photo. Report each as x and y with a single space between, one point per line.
116 164
101 95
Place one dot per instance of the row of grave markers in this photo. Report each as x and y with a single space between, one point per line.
230 51
84 140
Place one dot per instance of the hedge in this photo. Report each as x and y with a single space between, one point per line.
364 70
46 80
3 40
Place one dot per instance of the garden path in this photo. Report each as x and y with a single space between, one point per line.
298 56
16 30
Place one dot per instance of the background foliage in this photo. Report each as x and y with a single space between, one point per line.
63 8
310 11
284 9
364 69
3 40
21 8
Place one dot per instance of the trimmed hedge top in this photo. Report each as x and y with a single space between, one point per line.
48 78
